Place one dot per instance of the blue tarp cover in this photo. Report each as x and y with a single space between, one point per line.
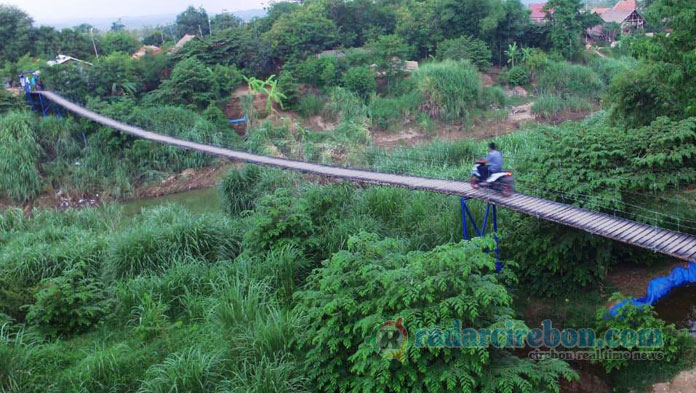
238 121
660 287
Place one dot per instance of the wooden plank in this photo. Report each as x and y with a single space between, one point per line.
687 248
659 241
663 240
614 226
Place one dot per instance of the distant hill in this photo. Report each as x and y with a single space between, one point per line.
135 22
250 14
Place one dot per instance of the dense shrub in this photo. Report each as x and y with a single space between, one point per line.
449 89
279 221
384 112
609 67
665 338
9 102
360 80
494 96
68 304
466 48
370 283
191 83
517 76
639 97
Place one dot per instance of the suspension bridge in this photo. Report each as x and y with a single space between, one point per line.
660 240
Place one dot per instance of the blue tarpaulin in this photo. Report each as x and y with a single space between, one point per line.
660 287
238 121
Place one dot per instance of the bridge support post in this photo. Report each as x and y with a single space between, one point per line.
467 217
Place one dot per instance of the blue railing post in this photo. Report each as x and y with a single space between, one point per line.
490 208
465 231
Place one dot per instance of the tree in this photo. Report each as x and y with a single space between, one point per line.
514 26
76 44
15 33
665 83
114 75
302 33
417 23
359 21
46 42
118 25
392 52
360 80
350 302
120 41
191 83
466 48
224 21
192 21
568 23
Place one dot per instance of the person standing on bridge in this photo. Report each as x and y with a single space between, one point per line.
493 163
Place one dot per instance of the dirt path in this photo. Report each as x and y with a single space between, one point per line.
452 132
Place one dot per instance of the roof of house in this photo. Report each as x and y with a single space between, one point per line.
186 38
537 10
599 11
626 5
60 59
617 16
145 49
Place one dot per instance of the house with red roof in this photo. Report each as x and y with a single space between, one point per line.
538 14
624 13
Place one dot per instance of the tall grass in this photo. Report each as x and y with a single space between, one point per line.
550 106
448 89
16 350
168 234
20 155
609 67
564 79
191 371
311 105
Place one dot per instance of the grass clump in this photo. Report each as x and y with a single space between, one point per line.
564 79
167 234
449 90
20 156
310 105
550 106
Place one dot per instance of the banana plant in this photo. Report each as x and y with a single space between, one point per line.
512 52
274 95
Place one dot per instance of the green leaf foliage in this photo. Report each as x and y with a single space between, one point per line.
375 281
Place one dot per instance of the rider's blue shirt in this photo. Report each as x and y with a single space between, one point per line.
495 161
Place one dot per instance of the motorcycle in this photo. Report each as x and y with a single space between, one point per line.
500 181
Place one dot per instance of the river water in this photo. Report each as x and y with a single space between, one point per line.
201 201
679 307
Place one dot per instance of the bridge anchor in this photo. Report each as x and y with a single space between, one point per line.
481 231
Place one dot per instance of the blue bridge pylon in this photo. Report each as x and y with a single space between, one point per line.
481 231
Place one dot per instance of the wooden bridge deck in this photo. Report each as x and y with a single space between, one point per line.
675 244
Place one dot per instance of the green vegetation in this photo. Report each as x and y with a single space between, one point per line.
283 289
19 174
448 90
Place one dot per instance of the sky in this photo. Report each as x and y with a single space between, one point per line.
51 10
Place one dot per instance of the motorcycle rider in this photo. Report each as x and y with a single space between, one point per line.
492 164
